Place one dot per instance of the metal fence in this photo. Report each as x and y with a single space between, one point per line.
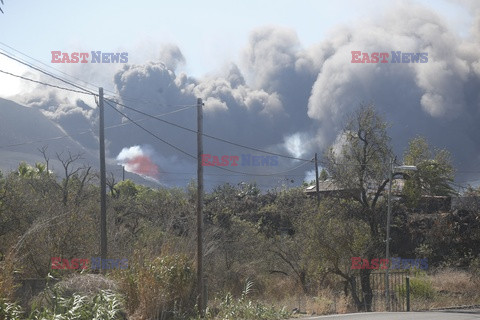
399 291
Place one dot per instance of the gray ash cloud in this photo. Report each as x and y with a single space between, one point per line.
286 98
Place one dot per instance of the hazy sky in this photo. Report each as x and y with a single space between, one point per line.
209 33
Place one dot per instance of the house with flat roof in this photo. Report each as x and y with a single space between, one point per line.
330 188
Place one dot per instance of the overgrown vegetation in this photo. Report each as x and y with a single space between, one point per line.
296 252
103 306
159 288
230 308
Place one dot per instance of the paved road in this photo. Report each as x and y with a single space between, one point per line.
472 314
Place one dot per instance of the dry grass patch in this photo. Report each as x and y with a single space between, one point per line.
451 288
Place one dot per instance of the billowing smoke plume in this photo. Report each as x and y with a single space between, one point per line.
285 98
139 160
172 56
436 99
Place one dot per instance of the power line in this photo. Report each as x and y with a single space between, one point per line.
190 155
155 117
71 83
146 102
209 136
262 174
47 73
222 175
46 65
44 83
146 114
150 132
168 122
255 149
123 97
85 131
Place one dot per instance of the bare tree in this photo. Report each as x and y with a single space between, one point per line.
111 183
69 170
43 151
84 178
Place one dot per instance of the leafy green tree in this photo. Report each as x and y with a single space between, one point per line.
27 171
434 171
323 175
127 189
359 162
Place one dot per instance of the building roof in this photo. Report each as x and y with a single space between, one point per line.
327 186
331 186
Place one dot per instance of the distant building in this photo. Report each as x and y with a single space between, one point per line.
330 188
426 204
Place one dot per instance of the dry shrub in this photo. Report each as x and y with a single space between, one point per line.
88 285
162 287
455 288
455 281
7 279
328 301
281 287
282 290
452 288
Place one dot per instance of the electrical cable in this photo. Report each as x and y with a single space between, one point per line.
146 114
262 174
46 65
123 97
85 131
45 72
190 155
44 83
209 136
150 132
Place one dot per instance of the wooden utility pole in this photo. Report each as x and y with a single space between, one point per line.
123 173
103 181
387 241
202 303
317 187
